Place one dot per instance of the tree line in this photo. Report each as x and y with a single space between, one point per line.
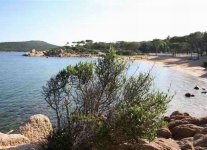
194 43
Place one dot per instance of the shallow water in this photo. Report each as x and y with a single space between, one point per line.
21 80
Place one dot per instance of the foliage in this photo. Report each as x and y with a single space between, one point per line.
192 43
139 117
60 141
25 46
205 64
98 105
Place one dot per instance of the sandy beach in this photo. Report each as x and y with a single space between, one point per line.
180 63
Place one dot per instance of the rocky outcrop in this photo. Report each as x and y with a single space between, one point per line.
59 53
189 132
34 53
33 134
161 144
37 128
157 144
13 139
183 132
164 133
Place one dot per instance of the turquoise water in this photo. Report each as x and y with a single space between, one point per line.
22 78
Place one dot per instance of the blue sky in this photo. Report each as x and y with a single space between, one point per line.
61 21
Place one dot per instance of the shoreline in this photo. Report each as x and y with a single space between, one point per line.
181 64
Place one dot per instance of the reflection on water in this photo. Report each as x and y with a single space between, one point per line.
21 79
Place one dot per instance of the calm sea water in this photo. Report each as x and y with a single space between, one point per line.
22 78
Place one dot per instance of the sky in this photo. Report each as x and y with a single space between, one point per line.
61 21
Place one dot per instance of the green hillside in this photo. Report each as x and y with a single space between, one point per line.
25 46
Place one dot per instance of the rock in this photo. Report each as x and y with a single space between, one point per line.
200 140
203 89
175 113
160 144
12 139
196 87
167 119
200 148
175 123
143 141
185 130
157 144
189 95
37 129
186 144
204 131
203 92
203 120
164 133
22 147
35 53
177 118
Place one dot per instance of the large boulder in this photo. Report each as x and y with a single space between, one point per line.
164 133
12 139
34 53
186 144
160 144
157 144
200 140
203 120
185 130
37 129
184 117
21 147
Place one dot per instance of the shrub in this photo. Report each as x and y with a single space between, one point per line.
96 103
205 64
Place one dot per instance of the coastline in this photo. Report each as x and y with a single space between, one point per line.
181 64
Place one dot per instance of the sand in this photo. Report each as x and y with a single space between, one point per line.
180 63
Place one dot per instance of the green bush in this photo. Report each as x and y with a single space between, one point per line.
205 64
98 105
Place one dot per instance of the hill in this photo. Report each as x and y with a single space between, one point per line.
25 46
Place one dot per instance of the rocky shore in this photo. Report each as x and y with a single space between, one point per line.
32 135
57 53
182 64
183 132
35 53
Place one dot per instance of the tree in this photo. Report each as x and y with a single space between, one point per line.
157 44
105 103
55 93
88 43
146 47
194 41
204 42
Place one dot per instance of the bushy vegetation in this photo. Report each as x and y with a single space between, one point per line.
205 64
25 46
97 105
188 44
